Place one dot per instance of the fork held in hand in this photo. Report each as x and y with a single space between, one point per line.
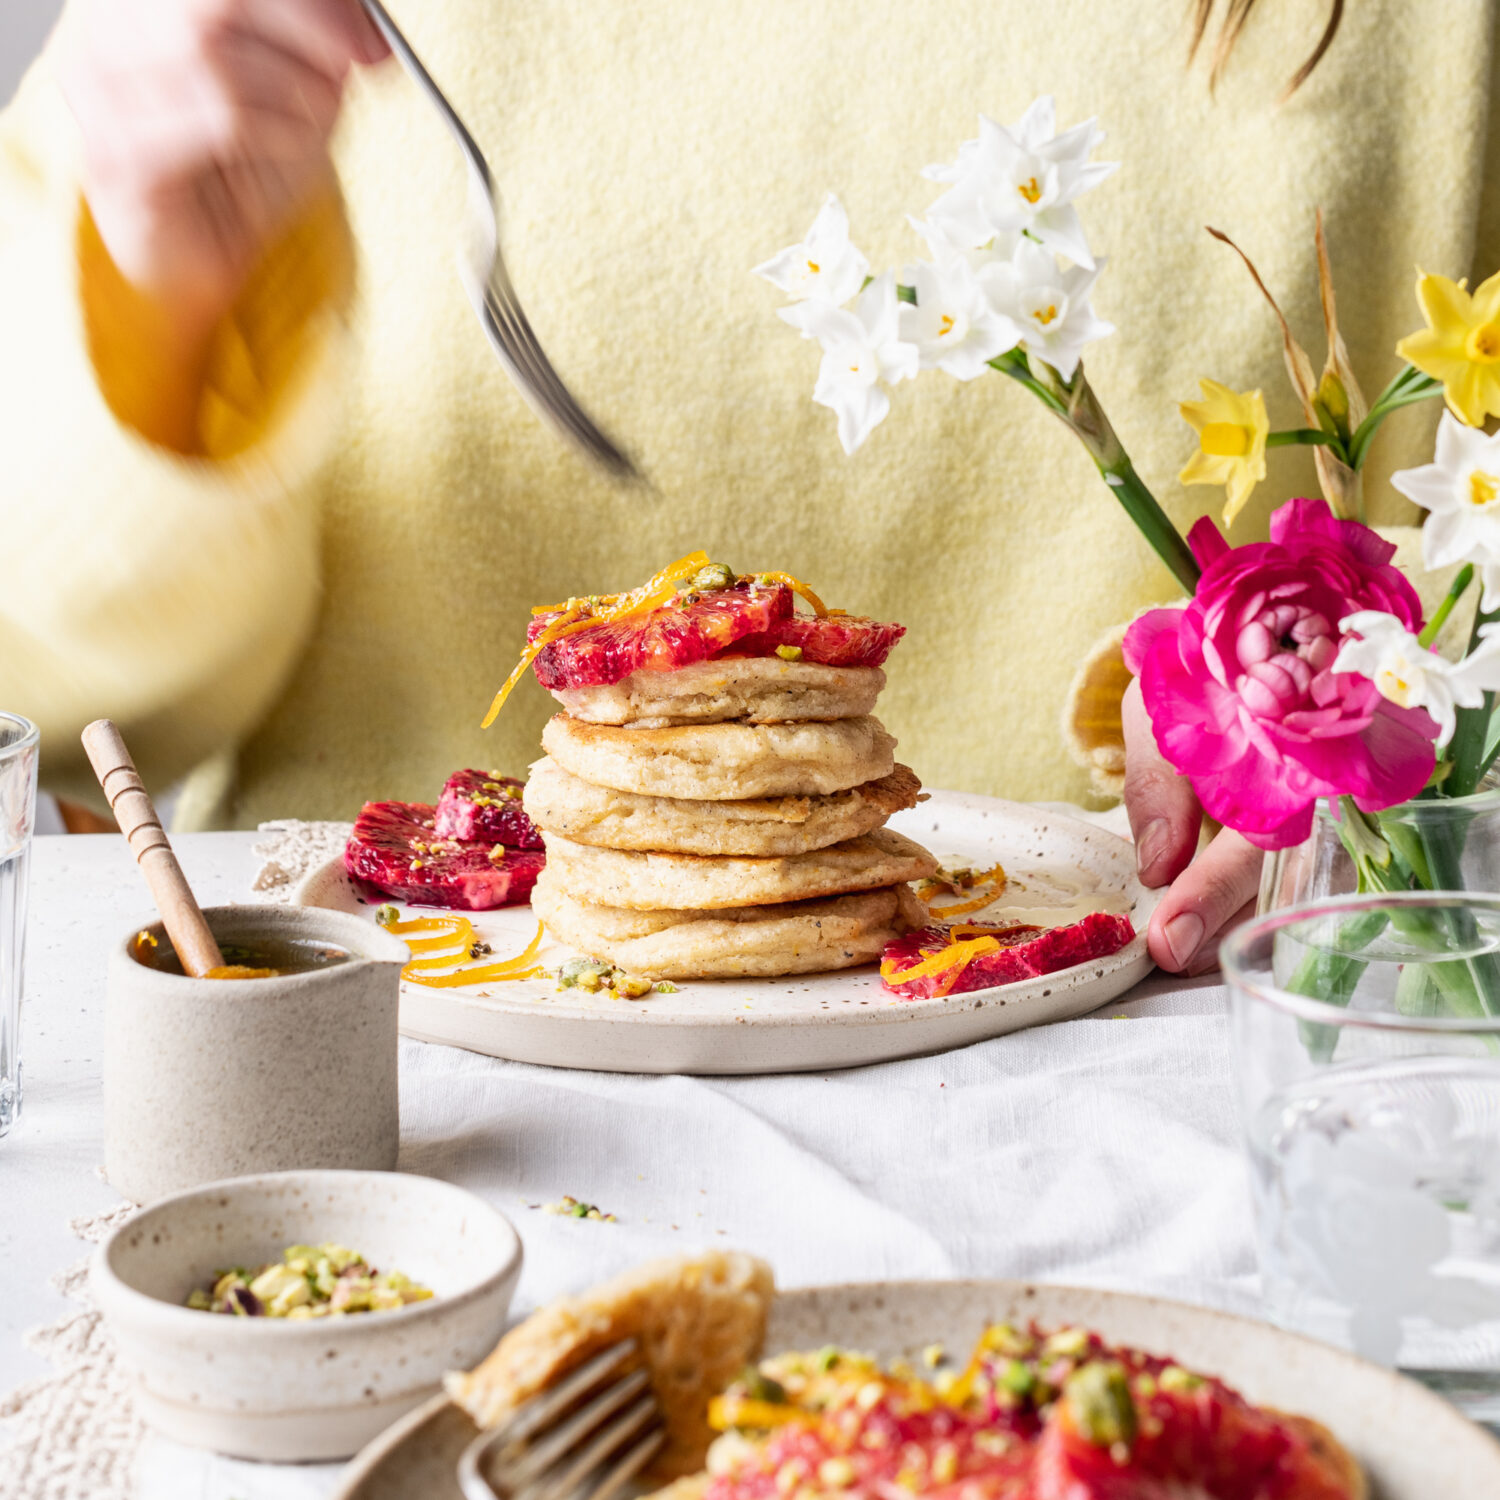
582 1439
488 284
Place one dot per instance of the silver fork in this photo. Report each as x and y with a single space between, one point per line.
482 269
582 1439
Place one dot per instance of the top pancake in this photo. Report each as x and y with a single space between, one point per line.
724 762
754 690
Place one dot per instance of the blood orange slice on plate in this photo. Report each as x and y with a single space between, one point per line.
952 961
481 806
691 628
395 850
1192 1435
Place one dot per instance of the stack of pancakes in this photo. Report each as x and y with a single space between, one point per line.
725 819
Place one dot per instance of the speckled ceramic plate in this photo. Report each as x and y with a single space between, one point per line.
1413 1445
806 1023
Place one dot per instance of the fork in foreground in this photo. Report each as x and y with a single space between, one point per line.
482 268
582 1439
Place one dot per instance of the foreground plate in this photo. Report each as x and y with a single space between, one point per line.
805 1023
1413 1444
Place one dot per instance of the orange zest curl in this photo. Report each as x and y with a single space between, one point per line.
799 588
450 942
957 956
729 1411
993 877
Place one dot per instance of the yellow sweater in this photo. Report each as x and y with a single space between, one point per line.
322 610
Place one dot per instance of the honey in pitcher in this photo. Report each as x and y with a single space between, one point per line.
264 958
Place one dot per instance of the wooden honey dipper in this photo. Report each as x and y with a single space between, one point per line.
136 814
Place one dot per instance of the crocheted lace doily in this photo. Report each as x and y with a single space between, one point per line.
73 1434
291 850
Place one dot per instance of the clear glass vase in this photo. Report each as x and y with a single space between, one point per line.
1438 844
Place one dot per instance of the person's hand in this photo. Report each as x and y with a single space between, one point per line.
205 128
1208 894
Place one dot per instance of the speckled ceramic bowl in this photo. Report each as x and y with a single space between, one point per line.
211 1078
285 1391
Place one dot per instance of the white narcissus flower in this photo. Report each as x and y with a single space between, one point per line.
1048 304
1411 675
825 267
952 323
1461 489
861 347
1022 179
943 247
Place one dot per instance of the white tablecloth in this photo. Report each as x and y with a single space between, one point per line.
1103 1150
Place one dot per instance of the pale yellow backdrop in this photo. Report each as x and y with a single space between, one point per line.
648 155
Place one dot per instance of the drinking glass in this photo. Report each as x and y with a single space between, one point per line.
1368 1065
18 757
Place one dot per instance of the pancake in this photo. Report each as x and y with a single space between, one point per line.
559 803
754 689
724 762
801 937
642 881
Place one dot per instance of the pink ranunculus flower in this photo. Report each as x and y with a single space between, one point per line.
1240 686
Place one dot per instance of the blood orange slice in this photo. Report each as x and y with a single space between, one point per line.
953 961
1192 1435
395 850
484 806
690 628
830 641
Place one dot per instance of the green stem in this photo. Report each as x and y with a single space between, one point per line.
1461 581
1410 386
1075 403
1307 437
1466 748
1152 522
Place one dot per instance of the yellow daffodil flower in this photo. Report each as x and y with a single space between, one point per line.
1231 428
1460 345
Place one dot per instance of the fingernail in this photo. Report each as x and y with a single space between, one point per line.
1183 934
1152 844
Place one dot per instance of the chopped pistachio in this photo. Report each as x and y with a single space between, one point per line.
387 914
569 1207
666 987
583 973
714 577
310 1281
1017 1378
762 1387
1175 1378
629 986
789 653
1003 1339
1066 1343
1100 1404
